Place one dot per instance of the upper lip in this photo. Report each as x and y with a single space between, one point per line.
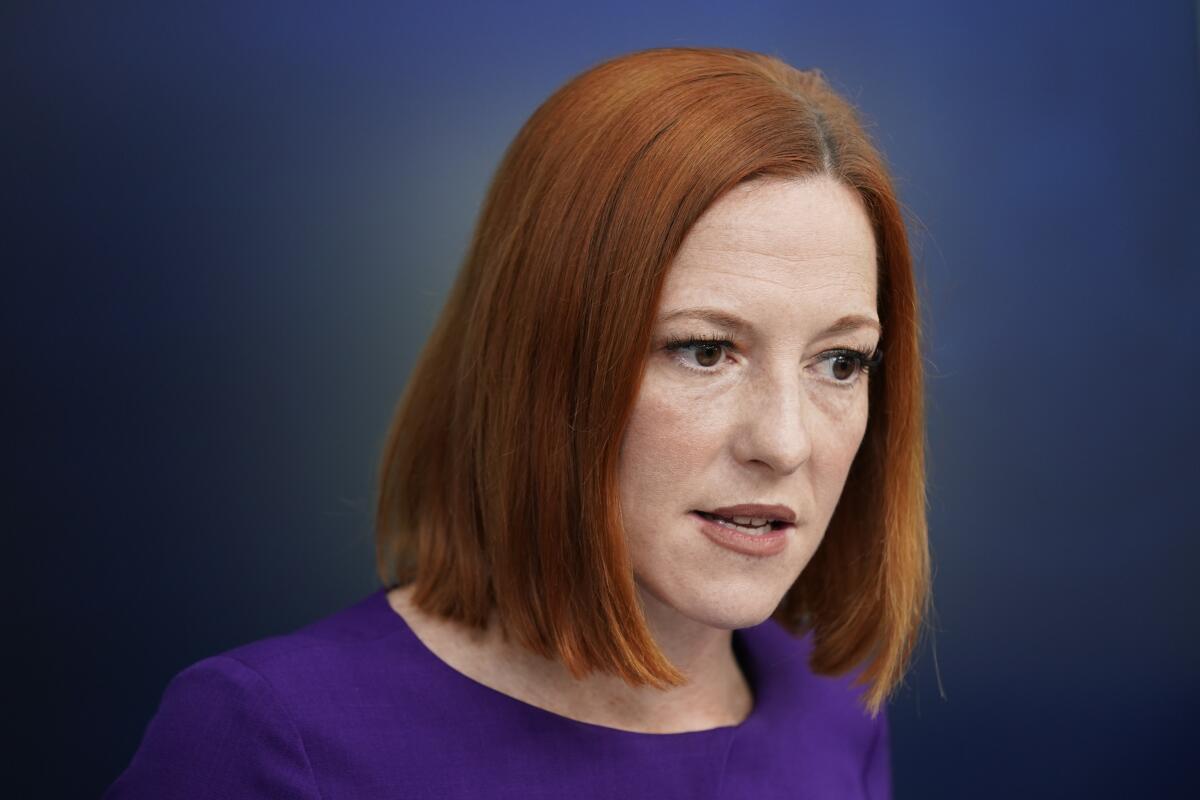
756 511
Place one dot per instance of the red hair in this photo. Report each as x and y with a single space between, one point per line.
498 484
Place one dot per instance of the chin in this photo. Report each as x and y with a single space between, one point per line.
727 608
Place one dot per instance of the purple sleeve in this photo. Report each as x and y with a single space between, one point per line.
877 773
220 732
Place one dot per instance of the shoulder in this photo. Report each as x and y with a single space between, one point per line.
318 653
821 717
779 663
327 672
219 731
244 722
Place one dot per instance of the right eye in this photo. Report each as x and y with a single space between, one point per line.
700 354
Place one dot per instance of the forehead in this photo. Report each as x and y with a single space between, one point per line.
802 243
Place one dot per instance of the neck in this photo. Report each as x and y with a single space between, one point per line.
716 693
699 651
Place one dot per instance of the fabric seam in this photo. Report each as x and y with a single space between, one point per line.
287 715
880 722
725 764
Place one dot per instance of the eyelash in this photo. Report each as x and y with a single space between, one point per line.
866 361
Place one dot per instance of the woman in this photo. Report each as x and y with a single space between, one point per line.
638 532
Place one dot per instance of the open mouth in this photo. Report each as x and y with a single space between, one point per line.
751 525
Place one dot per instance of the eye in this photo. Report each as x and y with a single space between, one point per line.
700 353
846 364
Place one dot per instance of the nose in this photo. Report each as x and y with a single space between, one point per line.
774 427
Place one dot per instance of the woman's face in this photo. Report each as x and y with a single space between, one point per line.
752 396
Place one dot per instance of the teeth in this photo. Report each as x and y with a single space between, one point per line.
760 526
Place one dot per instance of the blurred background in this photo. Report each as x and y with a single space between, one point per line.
228 228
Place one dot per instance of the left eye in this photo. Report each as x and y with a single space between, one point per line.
845 365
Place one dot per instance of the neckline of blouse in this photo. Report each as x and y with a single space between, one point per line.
743 646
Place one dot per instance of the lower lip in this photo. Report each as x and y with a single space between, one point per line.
770 543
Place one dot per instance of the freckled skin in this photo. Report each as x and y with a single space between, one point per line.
770 422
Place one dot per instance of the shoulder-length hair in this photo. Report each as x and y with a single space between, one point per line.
498 485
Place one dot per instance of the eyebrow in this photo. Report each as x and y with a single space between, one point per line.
716 316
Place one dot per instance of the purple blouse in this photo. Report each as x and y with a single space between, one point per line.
355 706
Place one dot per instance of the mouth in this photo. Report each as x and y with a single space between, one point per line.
752 531
750 525
751 519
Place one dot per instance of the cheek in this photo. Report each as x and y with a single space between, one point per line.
666 448
652 454
840 439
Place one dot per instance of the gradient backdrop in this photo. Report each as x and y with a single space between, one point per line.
228 230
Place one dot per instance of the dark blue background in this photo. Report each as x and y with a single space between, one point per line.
228 231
